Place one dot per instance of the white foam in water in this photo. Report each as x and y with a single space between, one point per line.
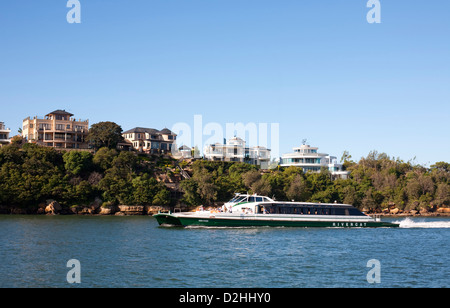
410 223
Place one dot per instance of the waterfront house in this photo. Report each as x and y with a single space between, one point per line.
58 129
309 159
236 150
150 140
185 151
4 135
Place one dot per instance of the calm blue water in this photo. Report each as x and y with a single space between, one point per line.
135 252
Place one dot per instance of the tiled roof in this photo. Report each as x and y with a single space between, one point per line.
141 130
61 112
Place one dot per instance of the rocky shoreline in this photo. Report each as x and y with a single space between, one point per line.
430 212
52 207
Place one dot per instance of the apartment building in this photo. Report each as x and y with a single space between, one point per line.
4 135
309 159
150 140
58 129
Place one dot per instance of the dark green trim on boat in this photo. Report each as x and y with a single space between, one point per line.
168 219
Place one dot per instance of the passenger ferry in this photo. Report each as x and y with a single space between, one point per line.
252 210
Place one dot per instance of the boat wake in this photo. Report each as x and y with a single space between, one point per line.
410 223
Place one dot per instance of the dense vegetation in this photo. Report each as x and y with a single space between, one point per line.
31 174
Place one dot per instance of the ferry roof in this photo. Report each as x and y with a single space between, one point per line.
294 202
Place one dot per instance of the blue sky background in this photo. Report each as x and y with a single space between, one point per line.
314 66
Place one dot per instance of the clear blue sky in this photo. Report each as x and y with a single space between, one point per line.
316 67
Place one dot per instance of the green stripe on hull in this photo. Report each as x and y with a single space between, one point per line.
214 222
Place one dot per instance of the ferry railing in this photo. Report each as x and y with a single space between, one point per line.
377 217
164 212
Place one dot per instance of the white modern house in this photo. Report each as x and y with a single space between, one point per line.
236 150
4 134
309 159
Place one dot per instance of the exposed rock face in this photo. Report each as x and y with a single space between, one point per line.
394 211
86 211
108 210
132 209
153 209
443 210
413 212
423 211
53 208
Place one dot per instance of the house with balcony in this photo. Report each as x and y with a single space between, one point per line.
150 140
58 129
309 159
235 149
4 135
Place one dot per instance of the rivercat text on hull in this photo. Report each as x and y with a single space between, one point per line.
252 210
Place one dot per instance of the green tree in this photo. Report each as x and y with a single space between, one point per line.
104 158
298 189
162 197
443 194
144 189
77 162
206 188
190 194
105 134
251 177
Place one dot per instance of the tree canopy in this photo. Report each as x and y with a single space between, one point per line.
31 174
105 134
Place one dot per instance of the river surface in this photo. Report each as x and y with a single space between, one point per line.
136 252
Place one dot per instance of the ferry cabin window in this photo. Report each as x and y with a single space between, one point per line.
272 209
233 200
339 211
302 210
241 199
355 212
